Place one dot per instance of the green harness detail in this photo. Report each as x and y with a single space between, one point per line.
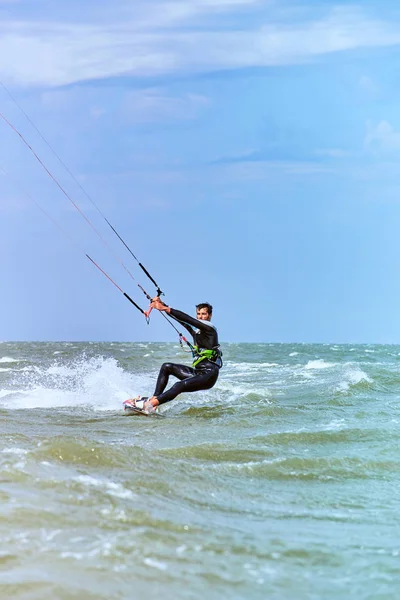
200 355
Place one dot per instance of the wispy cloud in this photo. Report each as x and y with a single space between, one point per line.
159 38
277 155
265 170
338 153
146 105
155 105
382 138
368 86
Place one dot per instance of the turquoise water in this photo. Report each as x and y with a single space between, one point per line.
282 482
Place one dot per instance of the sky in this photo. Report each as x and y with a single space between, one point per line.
247 151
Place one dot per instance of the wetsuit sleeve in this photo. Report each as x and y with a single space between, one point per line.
185 325
188 320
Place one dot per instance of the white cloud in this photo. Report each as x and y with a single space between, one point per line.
151 40
153 104
96 112
382 138
335 153
368 86
148 105
159 14
264 170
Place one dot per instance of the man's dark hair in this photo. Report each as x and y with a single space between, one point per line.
205 305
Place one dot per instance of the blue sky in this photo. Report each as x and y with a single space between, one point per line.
247 151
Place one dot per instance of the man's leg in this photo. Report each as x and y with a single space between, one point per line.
199 380
167 369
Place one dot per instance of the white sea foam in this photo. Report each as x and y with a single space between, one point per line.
352 375
308 375
241 389
7 359
155 564
249 367
18 451
97 381
5 393
113 489
319 363
5 370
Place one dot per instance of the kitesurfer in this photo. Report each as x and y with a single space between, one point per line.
203 373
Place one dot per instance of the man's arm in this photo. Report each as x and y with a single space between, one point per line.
183 318
188 327
189 320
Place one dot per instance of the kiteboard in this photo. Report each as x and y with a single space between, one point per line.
130 410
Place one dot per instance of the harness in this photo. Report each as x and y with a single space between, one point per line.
211 355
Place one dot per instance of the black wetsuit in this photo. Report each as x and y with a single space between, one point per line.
204 375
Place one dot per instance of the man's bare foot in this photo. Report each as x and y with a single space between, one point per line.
147 405
154 401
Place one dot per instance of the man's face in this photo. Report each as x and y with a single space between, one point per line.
203 315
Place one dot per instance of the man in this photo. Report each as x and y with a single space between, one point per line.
206 364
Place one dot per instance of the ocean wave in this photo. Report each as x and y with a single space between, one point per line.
112 488
353 376
7 359
217 453
7 393
316 468
240 389
97 381
70 450
335 433
249 367
319 364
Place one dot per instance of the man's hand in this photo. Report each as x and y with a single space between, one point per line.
158 304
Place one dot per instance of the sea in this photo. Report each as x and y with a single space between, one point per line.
280 483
